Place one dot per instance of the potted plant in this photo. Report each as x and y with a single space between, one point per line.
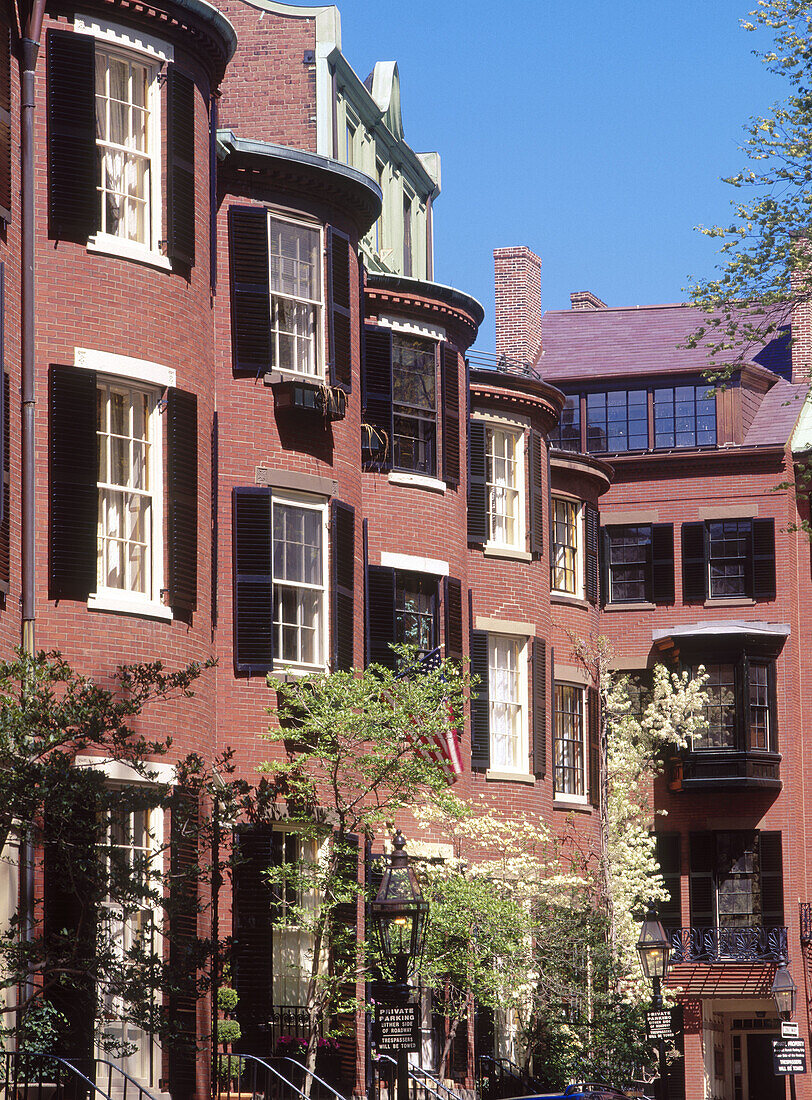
230 1067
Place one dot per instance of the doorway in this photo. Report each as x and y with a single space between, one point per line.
762 1083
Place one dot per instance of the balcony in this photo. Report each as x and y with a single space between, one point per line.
728 945
720 769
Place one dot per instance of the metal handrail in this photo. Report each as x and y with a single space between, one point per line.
315 1076
436 1089
14 1057
143 1093
266 1066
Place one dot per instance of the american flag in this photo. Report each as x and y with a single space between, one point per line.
441 748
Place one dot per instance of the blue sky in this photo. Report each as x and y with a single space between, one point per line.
594 133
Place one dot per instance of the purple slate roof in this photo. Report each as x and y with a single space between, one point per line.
776 415
581 345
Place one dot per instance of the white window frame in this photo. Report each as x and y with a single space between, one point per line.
152 52
579 547
565 796
319 336
154 377
319 505
521 756
518 486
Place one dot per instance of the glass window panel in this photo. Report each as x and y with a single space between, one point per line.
720 711
414 392
502 486
506 703
568 749
416 611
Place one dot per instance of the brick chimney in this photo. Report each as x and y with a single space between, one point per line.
585 299
518 304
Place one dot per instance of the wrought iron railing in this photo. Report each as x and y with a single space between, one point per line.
422 1086
288 1020
111 1079
717 945
27 1075
241 1075
489 360
499 1078
805 913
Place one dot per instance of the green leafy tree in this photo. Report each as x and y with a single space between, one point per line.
95 947
766 269
349 763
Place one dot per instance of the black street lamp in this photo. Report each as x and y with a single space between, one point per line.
399 915
654 951
784 991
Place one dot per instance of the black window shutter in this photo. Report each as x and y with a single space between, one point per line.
74 210
73 489
180 166
377 397
3 394
5 526
343 948
252 346
253 580
5 119
539 706
184 861
452 602
536 483
181 428
477 488
701 882
338 310
603 557
591 555
667 851
763 559
450 366
252 933
772 879
594 741
694 563
380 615
480 709
550 512
342 548
662 563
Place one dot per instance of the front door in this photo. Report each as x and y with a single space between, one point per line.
761 1081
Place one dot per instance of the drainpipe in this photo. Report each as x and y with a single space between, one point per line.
29 49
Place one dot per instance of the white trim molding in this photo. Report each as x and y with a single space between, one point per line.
410 563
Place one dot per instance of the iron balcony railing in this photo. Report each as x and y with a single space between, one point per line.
489 360
805 910
720 945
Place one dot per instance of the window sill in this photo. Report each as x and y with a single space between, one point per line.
570 806
494 550
730 601
114 246
289 675
510 777
641 605
146 609
417 481
566 598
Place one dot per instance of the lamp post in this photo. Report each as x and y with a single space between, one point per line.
399 916
785 992
654 950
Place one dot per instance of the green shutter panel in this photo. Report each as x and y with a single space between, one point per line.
376 387
184 904
450 368
181 430
594 742
694 563
591 557
662 563
702 888
771 867
480 709
380 600
603 557
668 854
539 707
180 167
252 933
343 948
73 489
536 484
477 488
763 536
251 341
342 550
5 119
253 580
338 308
74 207
452 605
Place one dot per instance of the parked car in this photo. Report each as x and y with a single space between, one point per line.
588 1090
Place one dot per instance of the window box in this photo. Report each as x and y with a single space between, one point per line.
328 401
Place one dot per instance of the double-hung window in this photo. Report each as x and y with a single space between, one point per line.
414 400
294 251
629 563
728 556
740 712
299 583
728 559
567 570
569 742
507 699
416 610
504 480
